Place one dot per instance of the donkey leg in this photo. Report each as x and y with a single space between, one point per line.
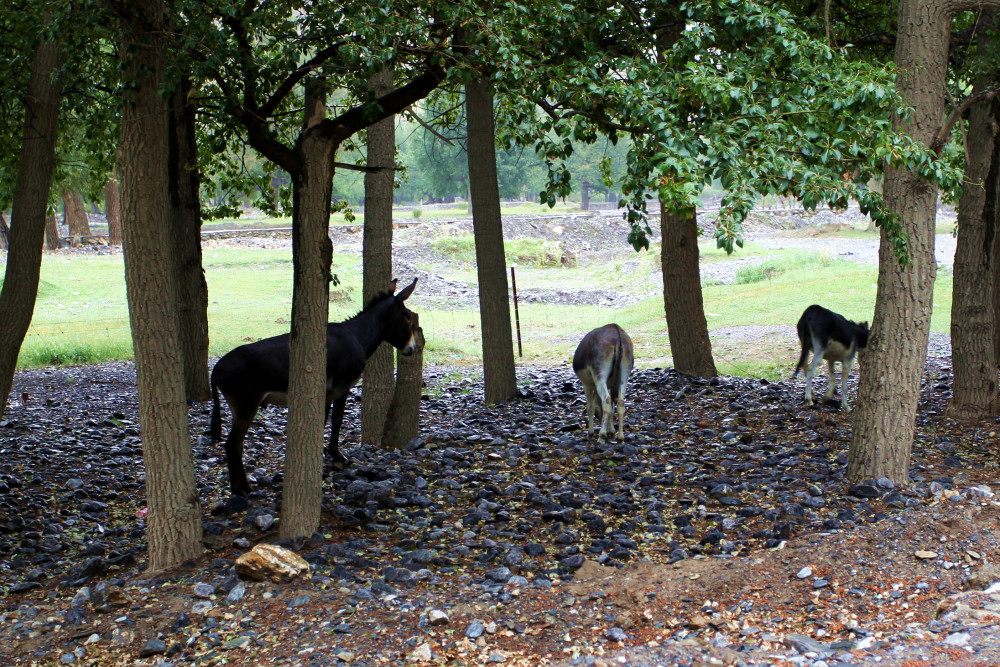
833 379
811 372
607 415
591 407
845 370
336 410
239 485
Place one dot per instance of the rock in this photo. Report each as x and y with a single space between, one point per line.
421 654
475 629
272 563
236 593
804 573
616 635
437 617
153 647
982 578
236 642
804 644
925 555
203 590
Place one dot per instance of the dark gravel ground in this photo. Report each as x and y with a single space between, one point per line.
704 520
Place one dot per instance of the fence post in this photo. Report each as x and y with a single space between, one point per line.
517 316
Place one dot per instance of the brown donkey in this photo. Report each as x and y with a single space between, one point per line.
603 360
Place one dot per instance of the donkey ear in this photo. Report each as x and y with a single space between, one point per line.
392 285
407 291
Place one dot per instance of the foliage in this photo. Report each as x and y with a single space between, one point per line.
742 95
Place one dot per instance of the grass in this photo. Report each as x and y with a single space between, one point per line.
81 315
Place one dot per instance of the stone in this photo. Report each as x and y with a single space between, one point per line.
421 654
475 629
153 647
271 563
437 617
925 555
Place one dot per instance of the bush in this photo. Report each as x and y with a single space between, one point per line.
417 213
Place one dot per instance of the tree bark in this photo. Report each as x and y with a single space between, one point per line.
174 521
185 227
76 213
402 423
312 255
36 164
112 210
991 211
377 387
52 240
494 308
891 368
585 196
687 327
974 389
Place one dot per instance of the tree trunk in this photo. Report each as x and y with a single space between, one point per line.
494 308
991 211
312 255
185 236
974 389
402 422
4 232
690 345
377 388
585 197
52 240
891 368
28 209
112 210
76 213
174 522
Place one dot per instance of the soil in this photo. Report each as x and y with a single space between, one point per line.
721 532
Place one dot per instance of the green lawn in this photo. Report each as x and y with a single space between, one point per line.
81 315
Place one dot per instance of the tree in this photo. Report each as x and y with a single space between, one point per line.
882 439
402 422
973 319
184 218
112 210
720 100
174 521
255 72
30 202
75 213
494 307
377 388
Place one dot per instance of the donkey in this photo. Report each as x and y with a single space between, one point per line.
832 337
255 374
602 361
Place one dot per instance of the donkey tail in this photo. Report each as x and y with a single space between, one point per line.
615 379
215 430
804 340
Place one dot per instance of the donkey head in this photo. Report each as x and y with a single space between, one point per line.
402 328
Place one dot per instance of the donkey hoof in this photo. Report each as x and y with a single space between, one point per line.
237 503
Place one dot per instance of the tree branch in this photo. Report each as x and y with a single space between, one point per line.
937 145
355 119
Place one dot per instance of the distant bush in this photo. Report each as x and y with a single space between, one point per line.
526 252
417 213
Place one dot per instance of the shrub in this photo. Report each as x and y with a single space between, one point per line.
417 213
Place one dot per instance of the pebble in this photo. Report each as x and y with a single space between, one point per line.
475 629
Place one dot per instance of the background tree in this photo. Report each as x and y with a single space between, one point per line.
499 379
377 388
29 202
184 218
